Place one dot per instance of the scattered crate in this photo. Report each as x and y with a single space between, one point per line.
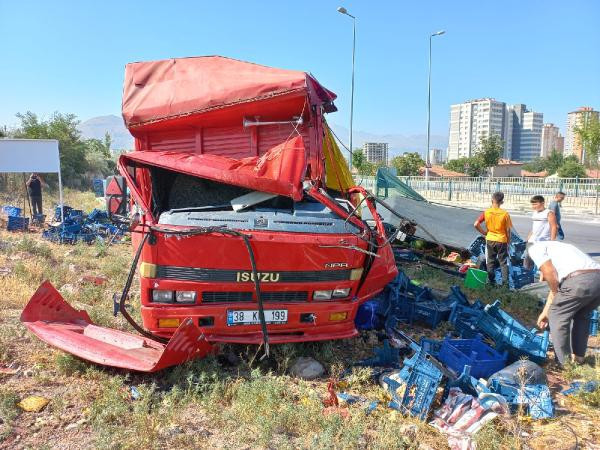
536 398
12 211
483 359
16 223
509 335
431 312
414 387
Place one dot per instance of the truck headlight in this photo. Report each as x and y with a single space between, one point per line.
185 296
322 295
341 292
160 296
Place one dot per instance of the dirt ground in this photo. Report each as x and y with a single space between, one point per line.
232 399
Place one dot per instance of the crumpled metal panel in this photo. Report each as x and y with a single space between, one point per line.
279 171
54 321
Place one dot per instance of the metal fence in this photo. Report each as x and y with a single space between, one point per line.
580 192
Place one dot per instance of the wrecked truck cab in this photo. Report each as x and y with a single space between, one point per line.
248 230
310 261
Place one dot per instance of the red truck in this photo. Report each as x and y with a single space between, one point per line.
247 223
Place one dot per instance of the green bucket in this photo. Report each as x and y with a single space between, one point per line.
476 278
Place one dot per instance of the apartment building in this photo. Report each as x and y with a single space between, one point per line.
575 119
551 140
471 121
376 152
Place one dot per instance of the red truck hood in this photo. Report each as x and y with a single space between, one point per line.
279 171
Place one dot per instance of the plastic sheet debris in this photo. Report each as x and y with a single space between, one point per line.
462 415
369 315
33 403
521 372
579 386
134 393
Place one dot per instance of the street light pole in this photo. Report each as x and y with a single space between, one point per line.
344 11
427 159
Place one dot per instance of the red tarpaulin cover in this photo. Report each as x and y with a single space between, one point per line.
279 171
160 90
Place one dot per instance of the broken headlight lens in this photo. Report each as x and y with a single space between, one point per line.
160 296
322 295
341 292
185 296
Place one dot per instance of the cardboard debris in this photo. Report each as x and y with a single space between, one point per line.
33 403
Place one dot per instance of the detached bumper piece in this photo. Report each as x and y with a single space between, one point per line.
54 321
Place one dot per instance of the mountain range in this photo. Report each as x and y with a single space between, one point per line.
96 127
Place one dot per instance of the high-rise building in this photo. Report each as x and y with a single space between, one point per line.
376 152
576 119
551 140
473 120
519 128
437 156
528 126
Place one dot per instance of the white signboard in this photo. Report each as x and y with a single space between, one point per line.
29 155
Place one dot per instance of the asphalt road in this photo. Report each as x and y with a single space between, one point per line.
583 233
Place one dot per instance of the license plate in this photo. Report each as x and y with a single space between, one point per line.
250 316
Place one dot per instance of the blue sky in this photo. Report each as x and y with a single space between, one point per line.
70 56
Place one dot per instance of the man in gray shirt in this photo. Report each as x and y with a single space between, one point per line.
554 206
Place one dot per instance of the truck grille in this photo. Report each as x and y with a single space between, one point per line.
239 297
234 276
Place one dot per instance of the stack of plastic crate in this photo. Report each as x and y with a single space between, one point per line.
510 335
16 223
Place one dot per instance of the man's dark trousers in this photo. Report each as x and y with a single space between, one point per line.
496 253
36 204
569 314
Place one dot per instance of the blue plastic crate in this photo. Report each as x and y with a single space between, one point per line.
66 209
386 356
12 211
413 388
463 318
483 359
431 312
431 346
509 335
594 323
16 223
535 398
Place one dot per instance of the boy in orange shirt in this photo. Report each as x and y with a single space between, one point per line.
497 237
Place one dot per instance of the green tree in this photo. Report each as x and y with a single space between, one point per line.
358 159
571 169
536 165
407 164
473 166
489 151
62 127
589 136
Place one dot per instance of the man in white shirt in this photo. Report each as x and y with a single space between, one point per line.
574 281
544 227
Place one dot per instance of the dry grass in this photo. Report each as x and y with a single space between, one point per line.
217 402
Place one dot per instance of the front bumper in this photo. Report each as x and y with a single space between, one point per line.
295 330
